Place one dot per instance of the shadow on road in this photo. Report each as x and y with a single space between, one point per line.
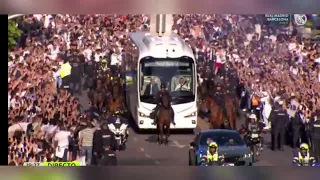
152 139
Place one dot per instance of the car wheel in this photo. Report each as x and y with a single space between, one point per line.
192 158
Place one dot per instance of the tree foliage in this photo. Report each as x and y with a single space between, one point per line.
13 34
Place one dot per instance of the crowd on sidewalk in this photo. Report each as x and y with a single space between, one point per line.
42 117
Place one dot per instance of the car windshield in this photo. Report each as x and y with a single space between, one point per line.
222 139
176 73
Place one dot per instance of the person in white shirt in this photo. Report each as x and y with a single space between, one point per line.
182 86
61 143
114 62
266 100
22 126
88 53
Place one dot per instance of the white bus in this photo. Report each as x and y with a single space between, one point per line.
169 60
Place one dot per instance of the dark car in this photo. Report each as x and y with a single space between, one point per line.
230 145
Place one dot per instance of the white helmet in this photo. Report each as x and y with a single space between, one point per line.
253 116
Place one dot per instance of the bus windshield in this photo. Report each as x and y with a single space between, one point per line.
176 73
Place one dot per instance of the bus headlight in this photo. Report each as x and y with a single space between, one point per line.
191 115
143 115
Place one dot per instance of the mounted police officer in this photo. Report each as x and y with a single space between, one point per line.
230 85
159 96
218 94
207 77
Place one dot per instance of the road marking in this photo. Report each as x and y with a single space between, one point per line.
177 144
135 139
147 155
141 149
156 162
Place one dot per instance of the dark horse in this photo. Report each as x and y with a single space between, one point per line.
164 120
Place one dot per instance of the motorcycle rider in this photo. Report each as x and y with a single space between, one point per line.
303 156
212 154
159 96
253 130
117 118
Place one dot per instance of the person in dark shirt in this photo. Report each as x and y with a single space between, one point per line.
102 138
315 137
108 146
296 124
109 157
90 72
279 120
97 147
76 72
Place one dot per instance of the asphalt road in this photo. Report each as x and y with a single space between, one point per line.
142 149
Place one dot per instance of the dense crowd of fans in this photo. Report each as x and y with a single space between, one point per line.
37 110
280 63
270 59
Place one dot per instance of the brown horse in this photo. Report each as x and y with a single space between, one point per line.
97 96
217 118
116 100
231 110
164 120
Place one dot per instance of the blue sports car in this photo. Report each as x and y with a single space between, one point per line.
230 144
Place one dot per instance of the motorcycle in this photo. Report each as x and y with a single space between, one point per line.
311 164
221 163
120 131
255 146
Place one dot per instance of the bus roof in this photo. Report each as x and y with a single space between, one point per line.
160 47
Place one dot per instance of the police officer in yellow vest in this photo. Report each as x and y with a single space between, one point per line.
303 156
104 65
212 155
65 72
